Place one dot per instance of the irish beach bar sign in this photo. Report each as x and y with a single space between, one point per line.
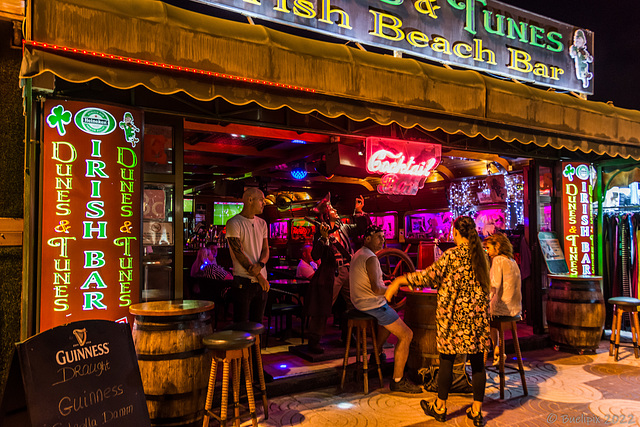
91 212
484 35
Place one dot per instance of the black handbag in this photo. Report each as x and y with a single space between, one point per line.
461 380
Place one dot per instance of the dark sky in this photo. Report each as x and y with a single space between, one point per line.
616 27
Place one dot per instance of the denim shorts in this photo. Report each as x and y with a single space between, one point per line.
385 314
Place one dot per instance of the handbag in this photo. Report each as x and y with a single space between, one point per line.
461 381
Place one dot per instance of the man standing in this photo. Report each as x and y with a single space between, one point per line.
370 295
249 247
332 246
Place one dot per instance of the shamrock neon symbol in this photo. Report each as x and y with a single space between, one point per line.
568 172
59 118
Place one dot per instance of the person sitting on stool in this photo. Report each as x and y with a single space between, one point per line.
369 295
307 266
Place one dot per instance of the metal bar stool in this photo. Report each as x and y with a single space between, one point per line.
620 306
499 323
255 329
232 349
362 322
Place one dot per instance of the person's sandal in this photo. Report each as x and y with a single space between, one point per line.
429 409
477 419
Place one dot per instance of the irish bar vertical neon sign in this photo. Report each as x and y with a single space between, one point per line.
577 186
90 212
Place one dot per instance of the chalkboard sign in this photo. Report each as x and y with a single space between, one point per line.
552 253
83 374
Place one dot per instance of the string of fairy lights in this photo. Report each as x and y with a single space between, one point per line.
464 198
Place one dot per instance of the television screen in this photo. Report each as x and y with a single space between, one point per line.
279 230
428 225
222 211
388 223
188 205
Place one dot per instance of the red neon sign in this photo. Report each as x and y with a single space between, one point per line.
91 212
405 165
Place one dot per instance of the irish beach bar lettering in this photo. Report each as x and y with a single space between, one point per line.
485 35
90 228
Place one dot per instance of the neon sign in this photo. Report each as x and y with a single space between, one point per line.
405 165
577 187
91 223
484 35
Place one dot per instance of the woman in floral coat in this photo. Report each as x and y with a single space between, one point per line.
461 276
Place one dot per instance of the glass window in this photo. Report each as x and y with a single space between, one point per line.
158 149
158 242
545 217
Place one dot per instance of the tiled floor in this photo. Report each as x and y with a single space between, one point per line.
564 390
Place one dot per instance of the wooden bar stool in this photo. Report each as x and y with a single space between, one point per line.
362 322
255 329
499 322
620 306
232 349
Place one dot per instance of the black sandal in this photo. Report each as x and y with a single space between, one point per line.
477 419
430 410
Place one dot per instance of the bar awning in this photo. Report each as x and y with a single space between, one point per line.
345 80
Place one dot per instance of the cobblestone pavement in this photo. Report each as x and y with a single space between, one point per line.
564 390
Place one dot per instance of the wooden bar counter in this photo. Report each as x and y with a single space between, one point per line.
173 365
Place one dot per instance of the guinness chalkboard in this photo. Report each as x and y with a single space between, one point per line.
83 374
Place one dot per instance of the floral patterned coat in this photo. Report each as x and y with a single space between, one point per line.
462 313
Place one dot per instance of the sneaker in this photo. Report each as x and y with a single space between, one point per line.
404 386
477 419
431 411
383 359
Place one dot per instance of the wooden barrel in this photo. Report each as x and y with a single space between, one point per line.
420 316
576 311
173 364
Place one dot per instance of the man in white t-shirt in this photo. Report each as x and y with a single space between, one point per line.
249 248
370 295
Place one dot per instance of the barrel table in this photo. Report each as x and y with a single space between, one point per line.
173 365
420 317
575 311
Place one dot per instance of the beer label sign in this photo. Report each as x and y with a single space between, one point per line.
83 374
91 212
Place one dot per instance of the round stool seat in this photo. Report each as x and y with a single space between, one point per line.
358 315
498 319
228 340
624 301
254 328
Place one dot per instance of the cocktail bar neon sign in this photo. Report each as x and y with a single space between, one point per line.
577 187
405 166
91 217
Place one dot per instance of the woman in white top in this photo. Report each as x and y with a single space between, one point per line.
506 296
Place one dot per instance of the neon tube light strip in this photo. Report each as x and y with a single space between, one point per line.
155 64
